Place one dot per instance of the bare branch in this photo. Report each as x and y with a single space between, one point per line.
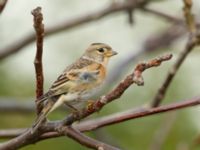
39 29
153 43
193 40
2 5
163 89
10 133
135 113
69 24
64 128
162 15
189 16
48 130
136 77
85 140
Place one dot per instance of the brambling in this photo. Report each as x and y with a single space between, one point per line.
78 81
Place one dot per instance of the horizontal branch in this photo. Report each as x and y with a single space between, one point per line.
10 133
135 113
110 119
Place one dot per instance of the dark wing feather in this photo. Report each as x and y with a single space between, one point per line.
60 80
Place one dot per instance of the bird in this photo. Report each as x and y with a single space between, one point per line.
77 83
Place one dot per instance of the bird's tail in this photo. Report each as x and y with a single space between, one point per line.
42 116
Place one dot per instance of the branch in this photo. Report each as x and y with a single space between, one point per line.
136 77
10 133
171 74
152 43
85 140
2 5
69 24
122 116
189 16
49 129
135 113
39 29
193 40
162 15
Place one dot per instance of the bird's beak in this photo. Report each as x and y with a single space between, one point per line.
111 53
114 53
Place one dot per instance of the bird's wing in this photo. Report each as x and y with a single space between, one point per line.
69 75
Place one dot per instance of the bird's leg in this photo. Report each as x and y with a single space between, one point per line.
72 107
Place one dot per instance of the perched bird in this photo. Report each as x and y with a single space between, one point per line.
78 81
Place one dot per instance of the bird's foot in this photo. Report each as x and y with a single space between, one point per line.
90 104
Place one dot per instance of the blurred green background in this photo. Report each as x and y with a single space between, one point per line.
17 82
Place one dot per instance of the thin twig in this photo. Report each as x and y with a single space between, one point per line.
162 15
2 5
193 40
171 74
39 29
189 17
85 140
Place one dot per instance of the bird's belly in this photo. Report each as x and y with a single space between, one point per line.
81 93
70 97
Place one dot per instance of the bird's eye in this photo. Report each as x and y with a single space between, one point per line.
101 50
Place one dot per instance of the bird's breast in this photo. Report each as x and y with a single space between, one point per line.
90 81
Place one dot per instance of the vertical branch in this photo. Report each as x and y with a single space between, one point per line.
39 29
2 5
193 40
189 17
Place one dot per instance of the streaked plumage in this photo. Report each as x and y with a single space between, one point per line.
78 81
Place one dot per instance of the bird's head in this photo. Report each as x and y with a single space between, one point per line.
99 52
